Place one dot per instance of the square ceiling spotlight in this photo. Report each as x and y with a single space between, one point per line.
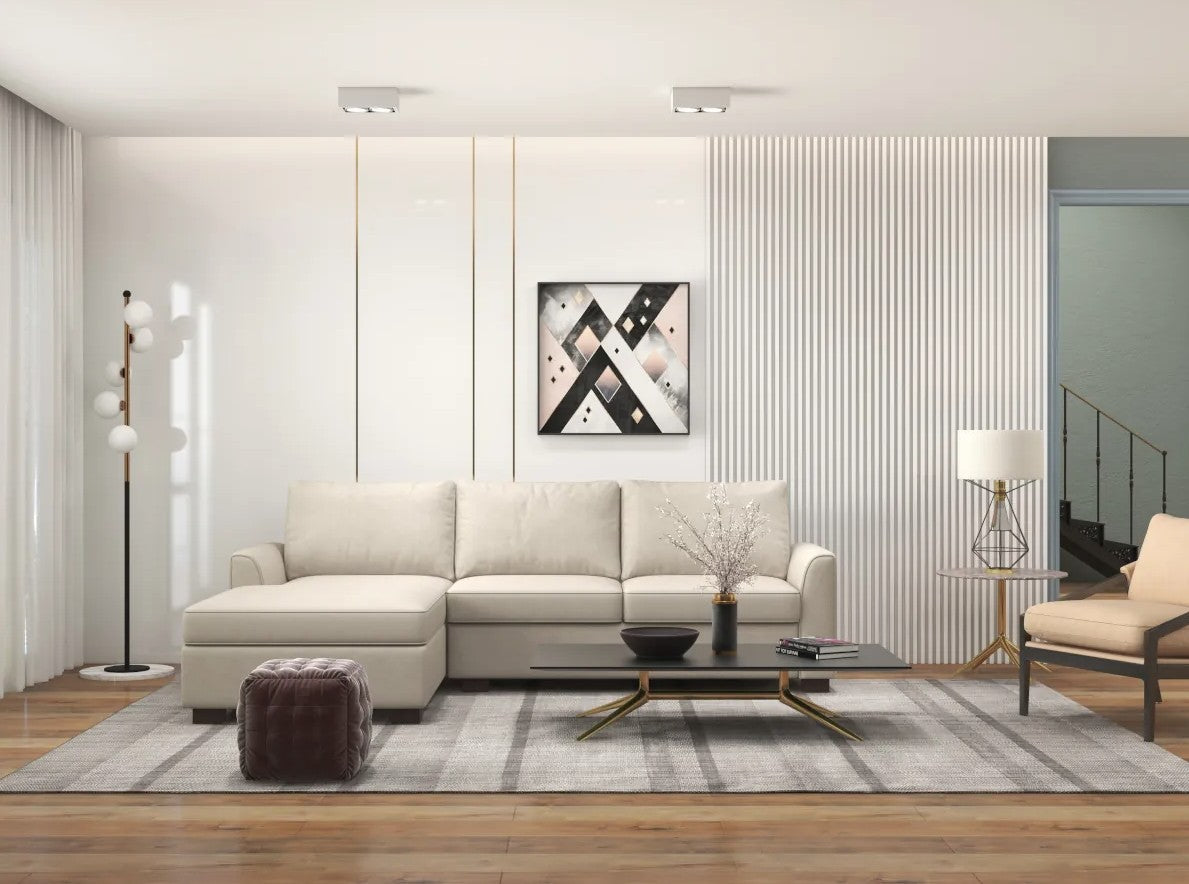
701 99
369 99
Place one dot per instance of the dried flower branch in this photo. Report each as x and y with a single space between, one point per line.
723 547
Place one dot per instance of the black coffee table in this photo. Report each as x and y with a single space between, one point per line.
748 659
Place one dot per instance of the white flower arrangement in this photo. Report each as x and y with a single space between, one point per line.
723 547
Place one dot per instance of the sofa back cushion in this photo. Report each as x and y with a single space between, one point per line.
645 550
370 528
538 528
1162 571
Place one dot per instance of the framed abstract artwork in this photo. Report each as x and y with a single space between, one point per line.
613 358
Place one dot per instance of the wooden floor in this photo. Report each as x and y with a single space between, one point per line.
517 839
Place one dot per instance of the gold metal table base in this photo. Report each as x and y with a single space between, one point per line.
1001 642
643 694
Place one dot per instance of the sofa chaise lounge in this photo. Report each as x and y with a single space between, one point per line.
424 581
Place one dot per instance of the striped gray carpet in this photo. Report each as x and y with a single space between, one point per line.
921 736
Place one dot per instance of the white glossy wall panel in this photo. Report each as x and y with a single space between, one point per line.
608 210
244 248
493 309
415 311
871 296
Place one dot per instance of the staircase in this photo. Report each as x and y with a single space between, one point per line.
1087 539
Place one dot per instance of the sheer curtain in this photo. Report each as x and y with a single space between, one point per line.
41 399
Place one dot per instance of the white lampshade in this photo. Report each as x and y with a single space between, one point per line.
114 372
137 314
1000 454
107 404
142 340
122 438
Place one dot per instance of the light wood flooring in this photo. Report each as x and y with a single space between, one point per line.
527 839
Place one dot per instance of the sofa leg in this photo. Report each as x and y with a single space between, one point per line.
212 716
1151 690
475 685
813 685
397 716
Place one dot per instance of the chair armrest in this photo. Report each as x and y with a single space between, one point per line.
1157 632
262 565
1118 583
814 571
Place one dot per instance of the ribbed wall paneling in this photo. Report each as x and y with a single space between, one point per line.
867 298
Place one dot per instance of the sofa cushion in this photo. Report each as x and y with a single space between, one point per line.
535 598
645 550
355 610
370 528
1113 625
1161 573
685 598
538 528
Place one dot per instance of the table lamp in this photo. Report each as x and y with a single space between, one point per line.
989 459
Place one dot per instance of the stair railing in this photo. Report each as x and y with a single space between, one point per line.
1132 435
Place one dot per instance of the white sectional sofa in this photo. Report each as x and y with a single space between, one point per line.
423 581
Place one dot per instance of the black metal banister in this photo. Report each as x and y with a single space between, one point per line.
1132 435
1114 420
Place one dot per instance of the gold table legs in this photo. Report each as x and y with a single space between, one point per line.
626 705
1001 642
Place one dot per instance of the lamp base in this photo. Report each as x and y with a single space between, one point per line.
999 572
120 672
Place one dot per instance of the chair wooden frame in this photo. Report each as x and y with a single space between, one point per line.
1150 670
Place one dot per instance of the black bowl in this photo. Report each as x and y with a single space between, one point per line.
659 642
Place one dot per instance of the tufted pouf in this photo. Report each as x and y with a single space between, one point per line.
304 719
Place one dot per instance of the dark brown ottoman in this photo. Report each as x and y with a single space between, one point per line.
304 719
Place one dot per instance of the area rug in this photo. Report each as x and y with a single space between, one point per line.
919 736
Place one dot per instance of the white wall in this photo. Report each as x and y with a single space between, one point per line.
415 308
1122 326
246 250
606 210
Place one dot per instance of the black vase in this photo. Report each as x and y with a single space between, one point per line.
724 621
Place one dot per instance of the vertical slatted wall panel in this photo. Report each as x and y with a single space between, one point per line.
868 297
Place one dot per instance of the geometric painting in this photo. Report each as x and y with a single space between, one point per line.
613 358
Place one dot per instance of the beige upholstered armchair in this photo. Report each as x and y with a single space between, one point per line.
1145 635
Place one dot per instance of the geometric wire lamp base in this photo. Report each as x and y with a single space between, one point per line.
1000 543
120 672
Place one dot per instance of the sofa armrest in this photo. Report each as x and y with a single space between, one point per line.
262 565
814 571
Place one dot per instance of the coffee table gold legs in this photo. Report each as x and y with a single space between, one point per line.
1001 642
614 704
624 706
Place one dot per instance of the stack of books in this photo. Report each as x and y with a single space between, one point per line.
817 648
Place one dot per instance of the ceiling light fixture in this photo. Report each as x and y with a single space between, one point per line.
700 99
369 99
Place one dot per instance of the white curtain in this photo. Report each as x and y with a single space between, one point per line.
41 398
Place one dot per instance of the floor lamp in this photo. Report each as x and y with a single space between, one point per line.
138 338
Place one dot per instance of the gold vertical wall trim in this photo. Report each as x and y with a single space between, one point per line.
356 308
868 297
474 376
513 309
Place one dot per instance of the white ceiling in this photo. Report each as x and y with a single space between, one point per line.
603 67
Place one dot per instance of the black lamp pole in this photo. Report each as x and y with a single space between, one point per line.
126 407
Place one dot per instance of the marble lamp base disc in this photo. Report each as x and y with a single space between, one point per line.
100 673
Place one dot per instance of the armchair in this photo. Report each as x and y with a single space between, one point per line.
1145 635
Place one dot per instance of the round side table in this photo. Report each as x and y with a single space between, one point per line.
1001 642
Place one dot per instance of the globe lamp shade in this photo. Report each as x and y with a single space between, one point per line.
122 438
142 340
114 372
107 404
138 314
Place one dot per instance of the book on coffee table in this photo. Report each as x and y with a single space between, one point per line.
812 646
